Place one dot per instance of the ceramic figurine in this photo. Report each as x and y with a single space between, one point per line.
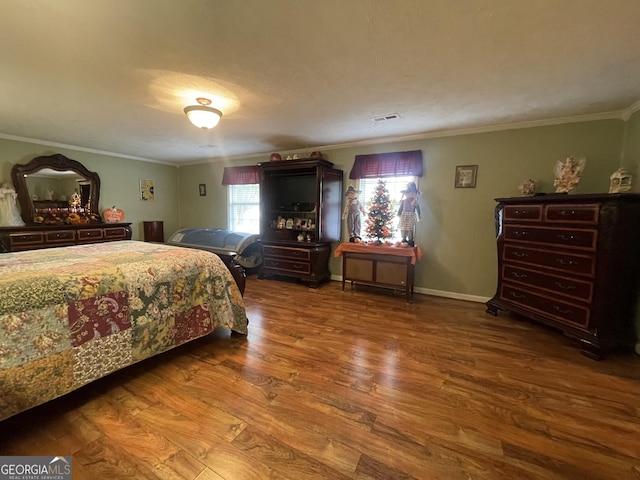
352 213
568 174
528 188
620 181
409 213
9 215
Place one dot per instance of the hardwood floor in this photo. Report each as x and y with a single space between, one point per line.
352 385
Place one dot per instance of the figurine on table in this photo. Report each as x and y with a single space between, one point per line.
352 213
409 213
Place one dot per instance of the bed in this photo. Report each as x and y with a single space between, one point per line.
71 315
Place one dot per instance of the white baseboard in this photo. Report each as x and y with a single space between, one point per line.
438 293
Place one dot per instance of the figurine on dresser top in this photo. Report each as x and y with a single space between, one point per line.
409 213
9 214
352 212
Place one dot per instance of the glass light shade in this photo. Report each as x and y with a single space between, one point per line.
202 116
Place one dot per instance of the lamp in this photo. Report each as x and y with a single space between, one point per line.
203 116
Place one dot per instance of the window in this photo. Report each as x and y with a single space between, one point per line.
395 185
244 208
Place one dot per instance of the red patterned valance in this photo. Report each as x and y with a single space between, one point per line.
394 164
241 175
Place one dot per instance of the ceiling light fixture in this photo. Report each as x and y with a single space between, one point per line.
203 116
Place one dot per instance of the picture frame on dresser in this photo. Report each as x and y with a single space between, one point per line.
466 176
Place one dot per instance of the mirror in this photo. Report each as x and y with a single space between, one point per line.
56 190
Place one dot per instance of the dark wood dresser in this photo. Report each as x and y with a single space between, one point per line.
300 208
571 262
31 237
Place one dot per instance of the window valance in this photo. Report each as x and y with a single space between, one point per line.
393 164
241 175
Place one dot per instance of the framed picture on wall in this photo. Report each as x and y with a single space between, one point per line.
147 192
466 176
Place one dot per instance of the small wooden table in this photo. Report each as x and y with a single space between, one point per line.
379 266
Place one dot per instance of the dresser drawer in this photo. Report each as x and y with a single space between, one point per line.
113 233
287 266
286 252
26 238
90 235
579 289
586 214
562 262
523 213
61 236
566 237
562 311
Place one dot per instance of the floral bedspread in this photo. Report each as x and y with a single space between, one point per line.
71 315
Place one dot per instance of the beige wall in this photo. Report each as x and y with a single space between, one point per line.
119 180
456 233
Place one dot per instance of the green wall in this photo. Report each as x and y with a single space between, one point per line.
631 149
203 211
456 233
119 182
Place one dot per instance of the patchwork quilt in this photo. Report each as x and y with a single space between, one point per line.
71 315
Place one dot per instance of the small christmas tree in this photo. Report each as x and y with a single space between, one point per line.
380 217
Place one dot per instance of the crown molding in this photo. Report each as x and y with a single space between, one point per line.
80 149
615 115
626 113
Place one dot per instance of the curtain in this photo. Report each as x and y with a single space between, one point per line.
241 175
394 164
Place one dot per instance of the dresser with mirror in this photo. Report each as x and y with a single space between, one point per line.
58 200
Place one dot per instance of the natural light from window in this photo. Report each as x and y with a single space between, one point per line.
394 185
244 208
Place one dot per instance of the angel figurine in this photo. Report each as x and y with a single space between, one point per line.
9 215
568 174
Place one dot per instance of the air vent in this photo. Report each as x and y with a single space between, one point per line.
384 118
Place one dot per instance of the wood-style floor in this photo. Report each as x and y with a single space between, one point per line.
355 384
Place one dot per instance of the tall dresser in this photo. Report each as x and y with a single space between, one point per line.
571 262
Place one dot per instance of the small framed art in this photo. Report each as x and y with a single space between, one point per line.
202 188
466 176
147 190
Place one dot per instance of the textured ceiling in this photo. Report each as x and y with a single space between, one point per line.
114 75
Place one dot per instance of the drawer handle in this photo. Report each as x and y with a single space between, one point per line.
519 233
566 237
517 295
562 261
520 212
567 213
518 275
564 311
565 286
520 254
